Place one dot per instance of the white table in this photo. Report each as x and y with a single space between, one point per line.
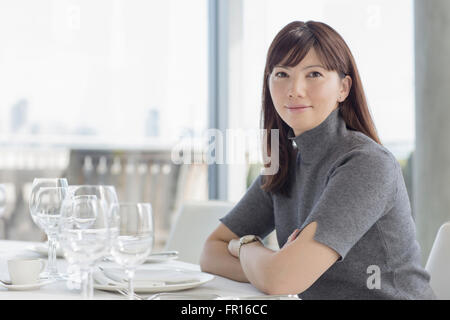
60 291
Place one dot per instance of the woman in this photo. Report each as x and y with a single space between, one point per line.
338 202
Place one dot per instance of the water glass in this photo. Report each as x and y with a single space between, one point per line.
107 193
47 195
134 241
86 230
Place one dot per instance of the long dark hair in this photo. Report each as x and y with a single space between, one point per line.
291 45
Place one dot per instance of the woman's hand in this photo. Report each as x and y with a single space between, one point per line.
233 247
216 258
233 244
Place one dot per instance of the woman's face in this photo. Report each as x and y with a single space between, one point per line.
306 94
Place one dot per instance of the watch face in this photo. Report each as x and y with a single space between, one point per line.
248 238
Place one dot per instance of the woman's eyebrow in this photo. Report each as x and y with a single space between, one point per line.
307 67
314 66
282 66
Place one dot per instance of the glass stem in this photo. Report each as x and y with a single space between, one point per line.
87 283
130 274
52 269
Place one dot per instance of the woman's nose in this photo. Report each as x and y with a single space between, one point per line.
297 89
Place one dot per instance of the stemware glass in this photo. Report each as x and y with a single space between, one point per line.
86 230
45 208
106 193
134 241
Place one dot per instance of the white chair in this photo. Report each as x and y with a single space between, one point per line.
194 222
438 264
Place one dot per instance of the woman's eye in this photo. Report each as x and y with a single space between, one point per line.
314 74
281 74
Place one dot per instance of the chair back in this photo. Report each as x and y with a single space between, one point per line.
194 222
438 264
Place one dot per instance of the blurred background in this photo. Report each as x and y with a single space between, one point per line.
103 91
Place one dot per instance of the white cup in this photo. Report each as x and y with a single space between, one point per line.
25 271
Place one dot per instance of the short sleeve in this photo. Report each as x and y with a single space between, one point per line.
360 189
253 214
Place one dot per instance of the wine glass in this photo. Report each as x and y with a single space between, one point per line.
134 241
102 192
45 208
86 230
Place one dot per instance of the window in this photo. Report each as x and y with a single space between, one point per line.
102 71
100 91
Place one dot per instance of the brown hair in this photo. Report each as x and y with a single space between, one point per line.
291 45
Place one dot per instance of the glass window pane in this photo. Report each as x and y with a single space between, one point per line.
100 91
116 71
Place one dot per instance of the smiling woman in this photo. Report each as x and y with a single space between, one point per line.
339 204
313 71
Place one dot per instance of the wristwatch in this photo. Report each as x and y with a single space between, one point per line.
247 239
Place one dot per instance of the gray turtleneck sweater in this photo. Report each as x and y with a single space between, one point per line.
354 189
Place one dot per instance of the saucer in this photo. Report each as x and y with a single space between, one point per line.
22 287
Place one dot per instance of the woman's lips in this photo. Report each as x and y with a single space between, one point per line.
297 108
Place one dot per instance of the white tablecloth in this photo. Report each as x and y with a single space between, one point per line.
60 290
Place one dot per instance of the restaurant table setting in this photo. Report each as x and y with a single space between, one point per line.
100 248
205 287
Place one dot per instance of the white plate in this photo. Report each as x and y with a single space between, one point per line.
144 277
160 258
42 248
155 257
22 287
